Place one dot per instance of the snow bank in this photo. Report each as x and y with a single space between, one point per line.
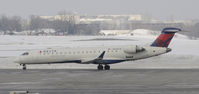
144 32
149 33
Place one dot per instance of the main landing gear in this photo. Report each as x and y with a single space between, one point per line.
101 67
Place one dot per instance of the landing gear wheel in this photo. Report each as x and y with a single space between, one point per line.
107 67
24 66
100 67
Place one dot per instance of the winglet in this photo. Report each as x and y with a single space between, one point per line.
101 55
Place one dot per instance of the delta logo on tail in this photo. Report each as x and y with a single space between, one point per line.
165 37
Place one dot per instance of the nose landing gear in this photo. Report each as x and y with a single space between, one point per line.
24 66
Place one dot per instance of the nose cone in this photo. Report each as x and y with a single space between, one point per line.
168 50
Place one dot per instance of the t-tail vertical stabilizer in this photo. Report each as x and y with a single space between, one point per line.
165 37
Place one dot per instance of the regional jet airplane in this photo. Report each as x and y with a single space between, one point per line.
102 56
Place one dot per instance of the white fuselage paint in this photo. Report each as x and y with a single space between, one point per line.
113 54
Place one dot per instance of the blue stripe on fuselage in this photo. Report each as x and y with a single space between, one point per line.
79 61
105 61
112 61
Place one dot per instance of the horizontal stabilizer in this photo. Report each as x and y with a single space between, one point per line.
170 30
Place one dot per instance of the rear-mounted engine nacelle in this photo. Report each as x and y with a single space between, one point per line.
133 49
139 49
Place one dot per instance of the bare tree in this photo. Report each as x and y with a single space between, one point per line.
10 23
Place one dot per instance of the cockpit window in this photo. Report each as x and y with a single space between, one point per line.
26 53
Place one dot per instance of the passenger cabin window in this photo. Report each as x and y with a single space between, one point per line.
26 53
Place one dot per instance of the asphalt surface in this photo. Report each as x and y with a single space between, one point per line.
90 81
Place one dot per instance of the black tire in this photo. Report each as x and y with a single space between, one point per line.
100 67
107 67
24 67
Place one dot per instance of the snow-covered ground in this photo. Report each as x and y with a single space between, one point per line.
184 54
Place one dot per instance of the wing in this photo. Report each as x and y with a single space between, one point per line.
98 60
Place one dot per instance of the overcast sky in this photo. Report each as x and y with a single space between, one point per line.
162 9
